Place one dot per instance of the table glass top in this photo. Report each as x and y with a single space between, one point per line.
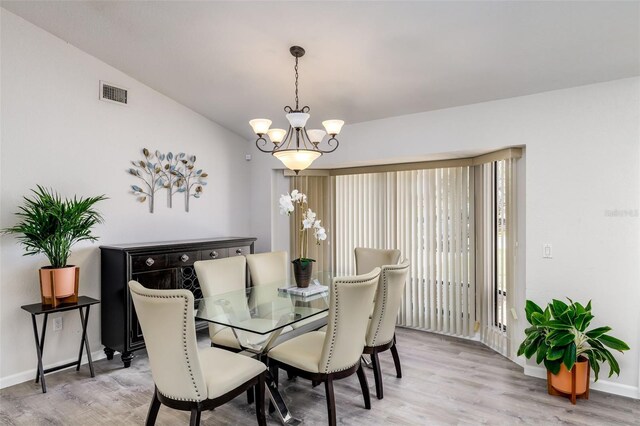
265 308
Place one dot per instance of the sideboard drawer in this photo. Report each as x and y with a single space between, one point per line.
184 258
239 251
148 262
217 253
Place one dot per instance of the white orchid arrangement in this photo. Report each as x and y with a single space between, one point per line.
288 204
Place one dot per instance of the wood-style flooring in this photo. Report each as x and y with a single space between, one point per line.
447 381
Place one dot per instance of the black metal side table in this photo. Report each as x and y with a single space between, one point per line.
37 309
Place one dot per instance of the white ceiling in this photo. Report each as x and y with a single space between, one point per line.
230 62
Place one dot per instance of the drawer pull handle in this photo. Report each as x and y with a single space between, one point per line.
239 251
184 257
150 261
213 254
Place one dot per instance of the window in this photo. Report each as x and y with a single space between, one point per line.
456 225
428 215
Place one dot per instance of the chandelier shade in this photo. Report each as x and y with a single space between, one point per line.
333 127
297 159
316 135
276 135
297 119
296 147
260 125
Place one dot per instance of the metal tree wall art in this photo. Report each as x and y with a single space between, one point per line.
190 181
174 173
170 174
150 174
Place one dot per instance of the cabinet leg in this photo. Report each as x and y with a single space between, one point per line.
126 359
109 352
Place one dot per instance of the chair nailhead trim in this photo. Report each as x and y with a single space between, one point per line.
184 344
385 293
334 322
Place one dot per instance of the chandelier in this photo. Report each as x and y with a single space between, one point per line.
296 147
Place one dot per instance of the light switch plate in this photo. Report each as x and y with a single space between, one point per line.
547 252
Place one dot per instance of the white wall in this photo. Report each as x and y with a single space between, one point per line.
582 151
55 132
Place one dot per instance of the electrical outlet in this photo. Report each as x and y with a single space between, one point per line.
57 324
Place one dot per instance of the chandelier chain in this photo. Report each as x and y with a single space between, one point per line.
296 71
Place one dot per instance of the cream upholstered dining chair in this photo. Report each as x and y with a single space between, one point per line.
382 326
369 258
273 268
325 357
219 276
268 268
187 378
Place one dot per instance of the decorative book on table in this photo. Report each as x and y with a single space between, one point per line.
314 288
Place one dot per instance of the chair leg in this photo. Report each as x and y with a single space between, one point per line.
377 374
259 389
249 396
331 402
396 359
153 409
195 417
362 378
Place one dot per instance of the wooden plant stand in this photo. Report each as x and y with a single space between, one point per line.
54 300
572 396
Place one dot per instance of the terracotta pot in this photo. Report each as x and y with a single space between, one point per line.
61 280
302 272
562 381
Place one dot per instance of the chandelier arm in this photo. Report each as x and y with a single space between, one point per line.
287 139
329 143
264 142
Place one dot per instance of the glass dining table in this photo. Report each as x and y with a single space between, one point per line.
263 315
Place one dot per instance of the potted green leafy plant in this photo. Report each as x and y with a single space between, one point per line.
558 337
51 225
303 265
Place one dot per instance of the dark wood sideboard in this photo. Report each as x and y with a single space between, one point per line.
162 265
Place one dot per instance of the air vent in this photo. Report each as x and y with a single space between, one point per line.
112 93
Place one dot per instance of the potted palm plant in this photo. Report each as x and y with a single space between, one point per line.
303 265
558 337
51 225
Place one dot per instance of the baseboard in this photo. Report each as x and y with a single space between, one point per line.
28 375
601 385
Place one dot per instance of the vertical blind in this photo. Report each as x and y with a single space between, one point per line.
429 216
455 224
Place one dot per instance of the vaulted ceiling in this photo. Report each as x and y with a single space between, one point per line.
230 61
